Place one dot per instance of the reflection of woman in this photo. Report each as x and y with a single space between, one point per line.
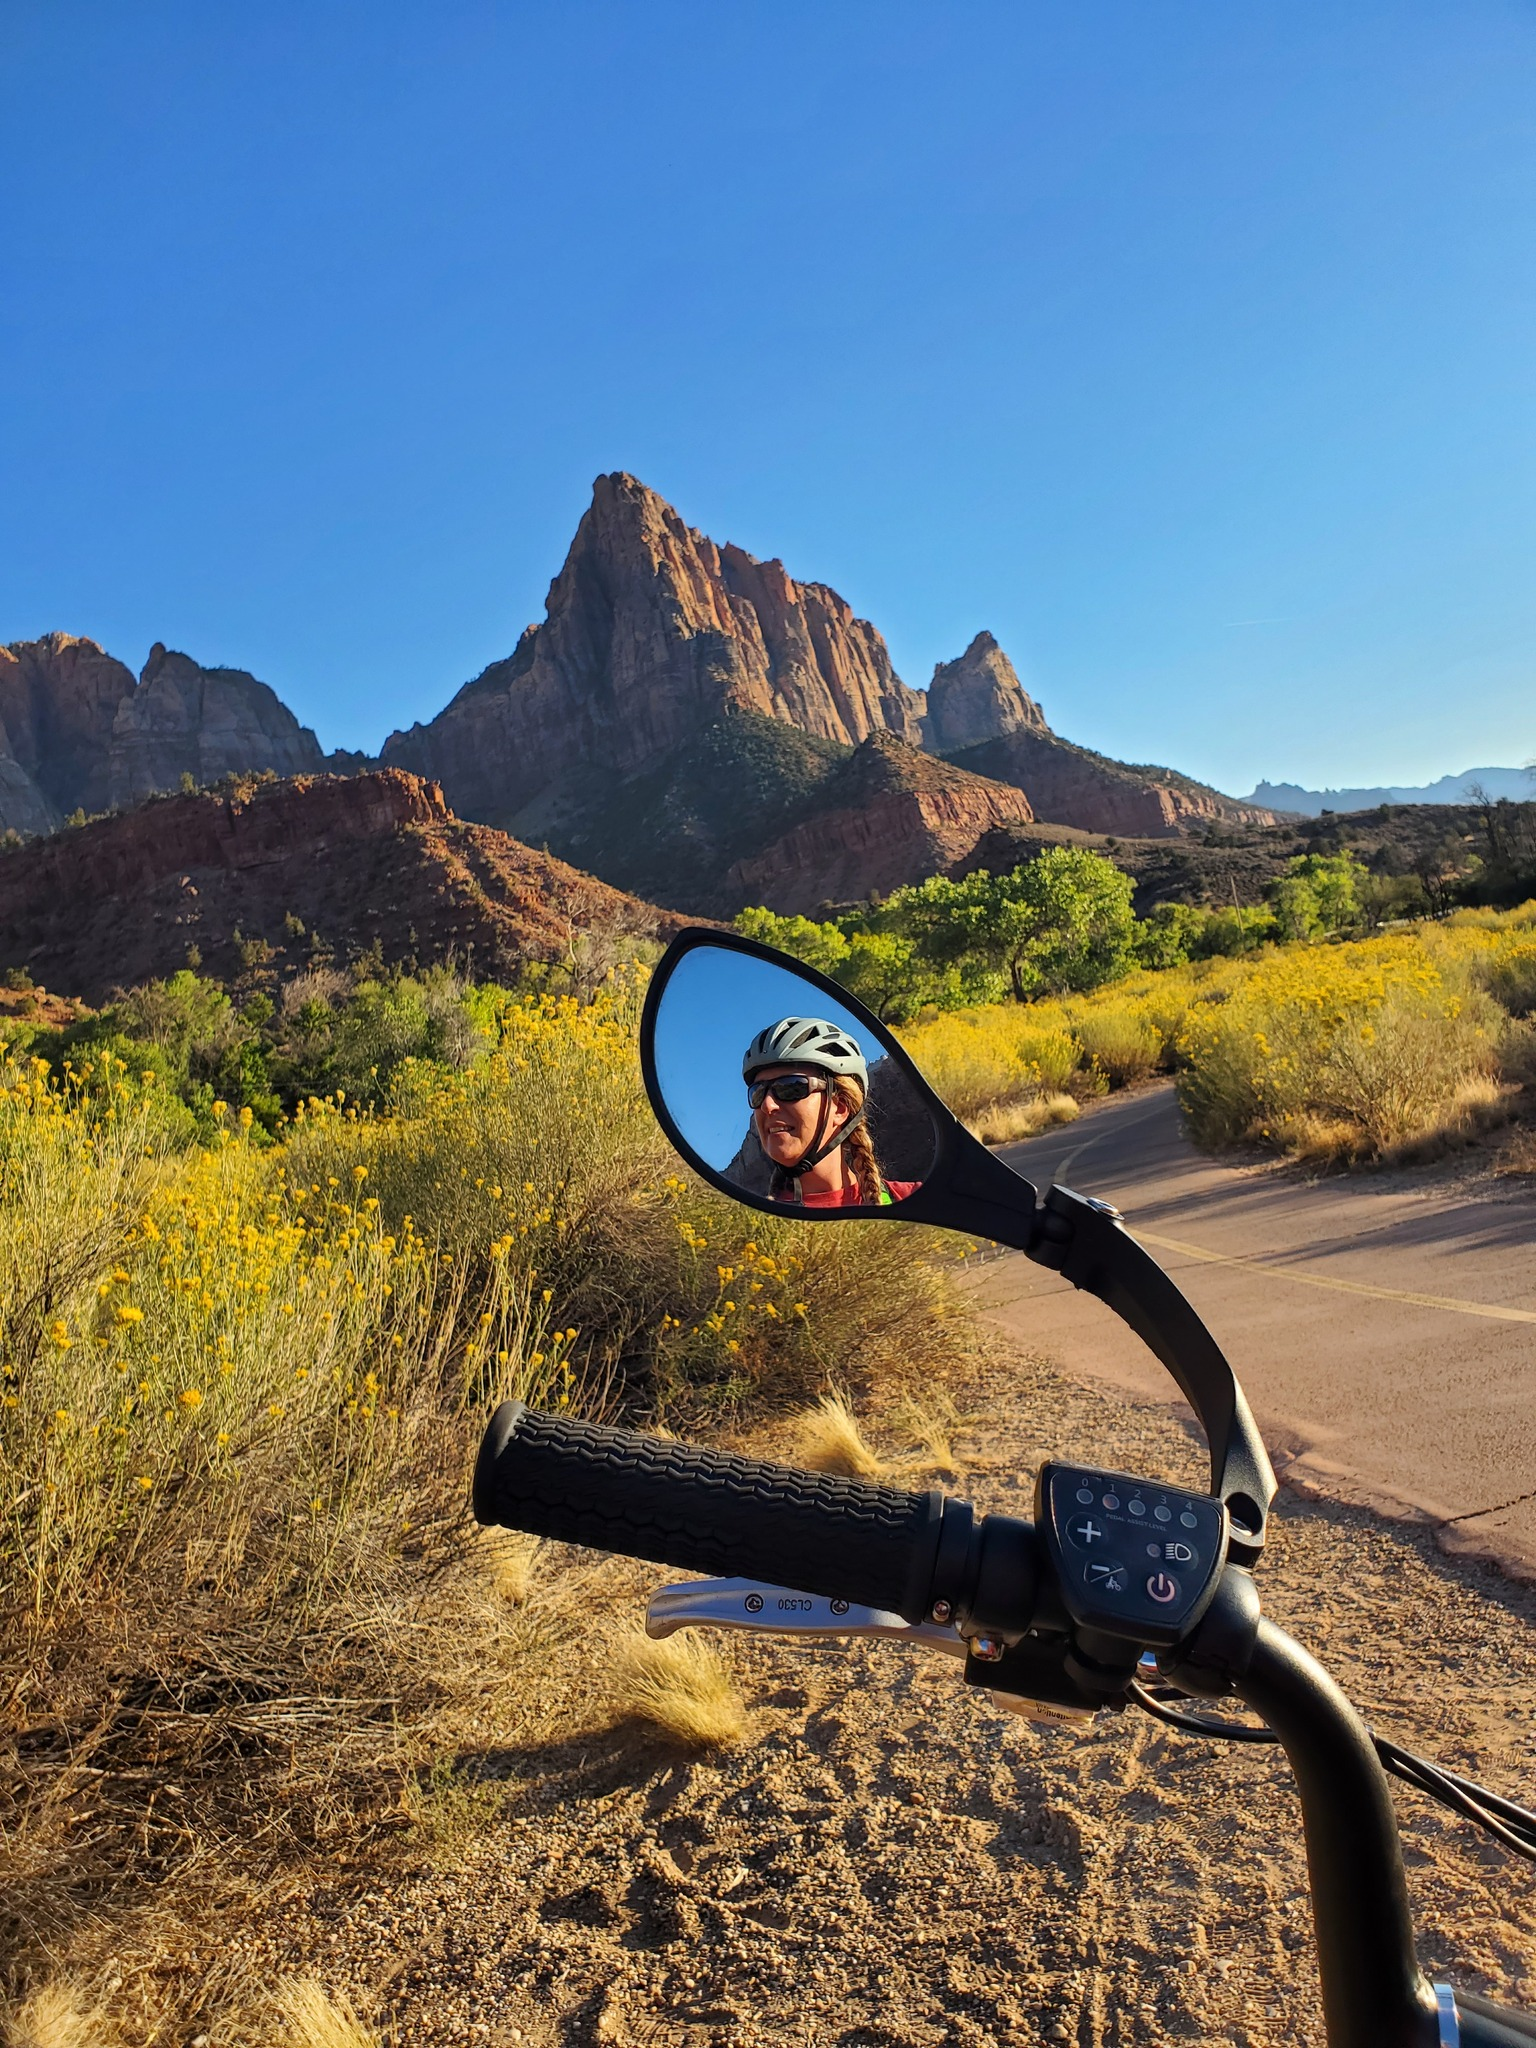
806 1083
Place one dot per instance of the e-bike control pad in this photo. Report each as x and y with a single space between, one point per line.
1132 1559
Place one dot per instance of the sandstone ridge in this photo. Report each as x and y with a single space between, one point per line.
978 697
888 816
652 633
274 877
1072 786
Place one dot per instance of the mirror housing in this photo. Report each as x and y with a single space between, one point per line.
969 1189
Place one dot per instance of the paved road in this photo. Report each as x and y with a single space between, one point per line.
1384 1326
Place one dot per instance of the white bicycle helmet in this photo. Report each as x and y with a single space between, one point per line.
805 1042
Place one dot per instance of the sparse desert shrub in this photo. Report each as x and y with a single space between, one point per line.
1517 1054
1518 1157
1510 978
681 1685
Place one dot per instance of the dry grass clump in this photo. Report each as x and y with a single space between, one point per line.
1479 1105
679 1685
827 1438
510 1558
925 1424
1006 1123
312 2017
58 2015
1517 1159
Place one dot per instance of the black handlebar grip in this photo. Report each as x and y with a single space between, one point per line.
614 1489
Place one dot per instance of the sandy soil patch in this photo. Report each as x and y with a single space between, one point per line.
887 1861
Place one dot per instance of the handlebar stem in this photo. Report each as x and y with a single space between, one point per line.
1374 1995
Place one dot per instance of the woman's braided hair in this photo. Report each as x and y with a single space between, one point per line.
858 1146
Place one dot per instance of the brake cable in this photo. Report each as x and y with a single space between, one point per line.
1514 1826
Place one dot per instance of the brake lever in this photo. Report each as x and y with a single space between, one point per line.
776 1610
760 1609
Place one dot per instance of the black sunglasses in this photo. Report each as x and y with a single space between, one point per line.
787 1088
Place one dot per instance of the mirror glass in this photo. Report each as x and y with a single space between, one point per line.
849 1129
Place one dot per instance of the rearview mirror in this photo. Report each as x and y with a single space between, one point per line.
723 1011
781 1089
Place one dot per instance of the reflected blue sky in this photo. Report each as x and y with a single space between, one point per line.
714 1006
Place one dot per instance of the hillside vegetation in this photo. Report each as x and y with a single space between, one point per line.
265 1268
247 1352
1061 921
1355 1050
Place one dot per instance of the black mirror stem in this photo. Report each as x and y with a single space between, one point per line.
1087 1243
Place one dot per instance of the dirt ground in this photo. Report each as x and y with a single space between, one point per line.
888 1859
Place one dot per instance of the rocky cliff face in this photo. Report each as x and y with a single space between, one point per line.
202 722
654 634
263 884
59 697
669 723
888 817
78 733
979 697
1071 786
651 634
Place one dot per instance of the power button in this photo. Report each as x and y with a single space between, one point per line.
1163 1587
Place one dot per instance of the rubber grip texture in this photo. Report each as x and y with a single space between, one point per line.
614 1489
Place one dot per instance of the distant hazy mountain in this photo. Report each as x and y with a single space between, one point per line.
1519 784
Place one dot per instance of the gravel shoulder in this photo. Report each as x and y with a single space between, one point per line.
889 1861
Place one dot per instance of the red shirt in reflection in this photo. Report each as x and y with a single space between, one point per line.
849 1197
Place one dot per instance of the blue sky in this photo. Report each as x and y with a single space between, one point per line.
1187 347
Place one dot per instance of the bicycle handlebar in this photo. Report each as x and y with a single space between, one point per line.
672 1503
904 1553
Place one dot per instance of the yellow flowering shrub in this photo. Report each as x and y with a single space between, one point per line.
1354 1049
195 1336
241 1386
548 1149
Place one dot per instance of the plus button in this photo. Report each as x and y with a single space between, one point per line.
1085 1531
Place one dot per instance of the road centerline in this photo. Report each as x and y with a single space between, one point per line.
1450 1303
